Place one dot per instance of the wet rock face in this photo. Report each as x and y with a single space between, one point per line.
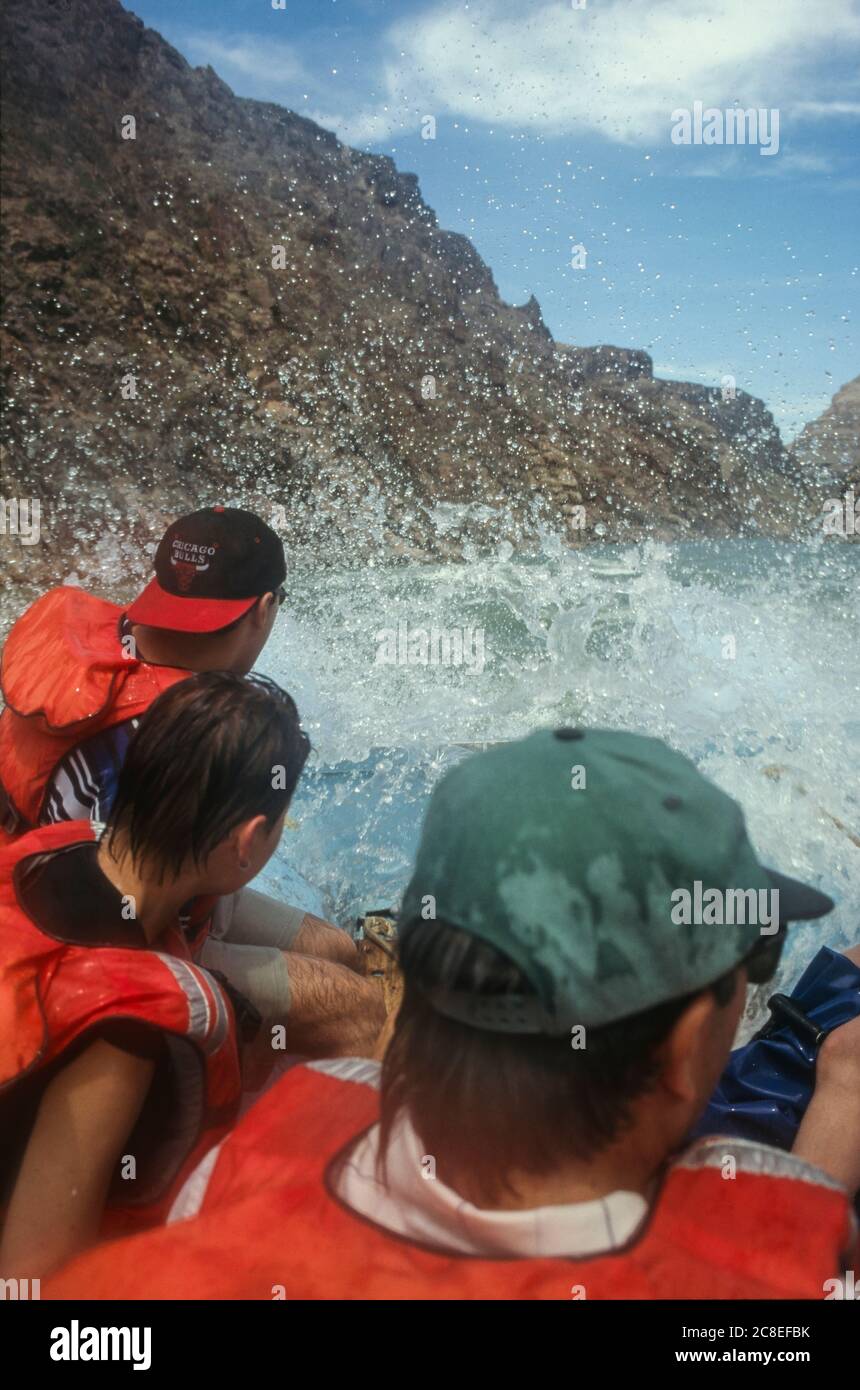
829 448
234 303
827 452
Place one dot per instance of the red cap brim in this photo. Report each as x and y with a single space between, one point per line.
155 607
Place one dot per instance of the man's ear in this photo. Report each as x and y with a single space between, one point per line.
686 1046
262 609
248 836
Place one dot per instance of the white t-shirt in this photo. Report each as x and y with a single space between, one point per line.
426 1211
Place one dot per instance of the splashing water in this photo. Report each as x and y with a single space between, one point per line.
743 655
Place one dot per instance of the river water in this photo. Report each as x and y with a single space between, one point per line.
742 654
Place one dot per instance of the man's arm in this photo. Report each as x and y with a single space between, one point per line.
84 1120
829 1133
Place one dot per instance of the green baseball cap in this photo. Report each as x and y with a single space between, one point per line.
589 858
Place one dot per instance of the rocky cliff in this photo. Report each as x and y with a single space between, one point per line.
828 449
827 454
212 297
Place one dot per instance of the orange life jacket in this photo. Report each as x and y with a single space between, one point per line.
65 675
269 1226
52 994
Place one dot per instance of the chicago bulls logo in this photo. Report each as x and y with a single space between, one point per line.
188 560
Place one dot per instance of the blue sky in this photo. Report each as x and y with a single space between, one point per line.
553 130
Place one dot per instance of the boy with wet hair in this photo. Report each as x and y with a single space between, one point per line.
119 1049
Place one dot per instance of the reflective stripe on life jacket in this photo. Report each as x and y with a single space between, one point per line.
52 994
65 675
270 1226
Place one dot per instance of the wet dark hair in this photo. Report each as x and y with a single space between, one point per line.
211 752
492 1104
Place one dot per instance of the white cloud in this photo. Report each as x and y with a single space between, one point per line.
365 126
618 68
270 70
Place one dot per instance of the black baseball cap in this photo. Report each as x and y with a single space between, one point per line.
210 569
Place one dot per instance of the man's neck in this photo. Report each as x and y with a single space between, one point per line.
630 1165
155 905
192 651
